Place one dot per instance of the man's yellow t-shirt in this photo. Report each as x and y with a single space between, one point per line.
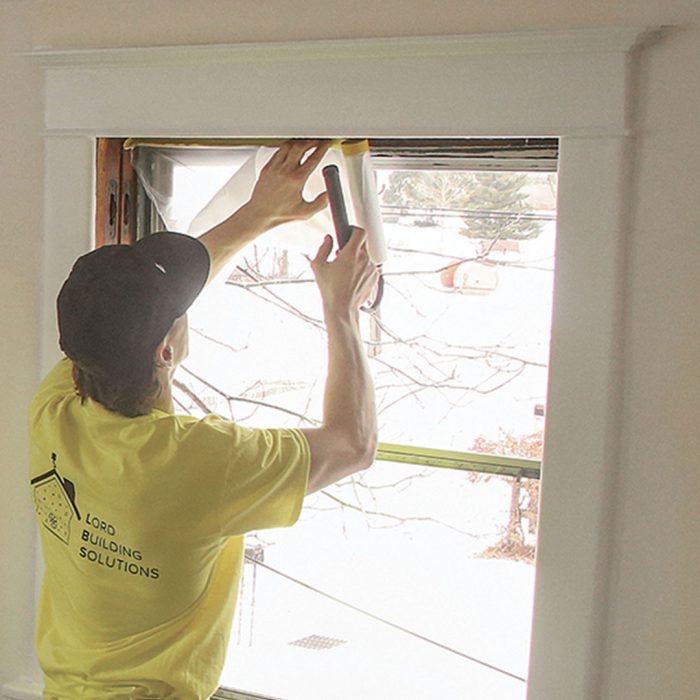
141 522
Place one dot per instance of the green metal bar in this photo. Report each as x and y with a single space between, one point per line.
467 461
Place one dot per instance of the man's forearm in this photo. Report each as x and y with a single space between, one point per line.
229 237
347 440
349 404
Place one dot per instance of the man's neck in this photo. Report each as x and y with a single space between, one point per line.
164 398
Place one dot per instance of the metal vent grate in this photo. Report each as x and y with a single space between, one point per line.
318 642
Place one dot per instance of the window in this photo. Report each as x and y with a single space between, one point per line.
380 567
588 114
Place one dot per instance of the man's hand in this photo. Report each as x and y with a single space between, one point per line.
346 282
277 197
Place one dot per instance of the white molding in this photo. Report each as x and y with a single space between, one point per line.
583 421
67 207
574 83
615 39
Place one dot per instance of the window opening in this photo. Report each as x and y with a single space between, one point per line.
421 568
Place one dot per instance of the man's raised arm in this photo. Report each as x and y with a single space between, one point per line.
346 442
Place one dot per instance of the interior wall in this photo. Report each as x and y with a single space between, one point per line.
21 175
652 639
654 629
82 24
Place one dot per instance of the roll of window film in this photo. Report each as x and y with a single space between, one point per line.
363 191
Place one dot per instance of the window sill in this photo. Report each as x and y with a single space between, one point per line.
30 690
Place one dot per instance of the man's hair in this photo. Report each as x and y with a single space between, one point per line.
129 396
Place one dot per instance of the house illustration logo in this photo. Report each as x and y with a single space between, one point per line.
54 500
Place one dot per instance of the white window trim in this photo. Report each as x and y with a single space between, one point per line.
572 84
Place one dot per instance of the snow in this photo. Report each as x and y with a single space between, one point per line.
418 565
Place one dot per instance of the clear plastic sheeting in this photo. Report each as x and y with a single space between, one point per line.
165 172
363 189
232 174
237 190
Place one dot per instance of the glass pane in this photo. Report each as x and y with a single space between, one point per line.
466 322
459 348
459 353
411 546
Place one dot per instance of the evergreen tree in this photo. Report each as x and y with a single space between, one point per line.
490 202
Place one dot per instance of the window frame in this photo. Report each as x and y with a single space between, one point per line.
580 95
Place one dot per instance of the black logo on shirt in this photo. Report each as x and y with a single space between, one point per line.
54 500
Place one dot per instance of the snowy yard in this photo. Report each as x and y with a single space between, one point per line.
401 543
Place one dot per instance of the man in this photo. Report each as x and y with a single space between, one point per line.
142 511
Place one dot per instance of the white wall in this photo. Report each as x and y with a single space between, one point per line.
654 631
653 643
21 175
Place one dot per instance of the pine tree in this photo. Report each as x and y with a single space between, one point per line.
502 196
490 202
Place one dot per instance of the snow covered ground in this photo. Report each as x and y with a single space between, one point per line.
419 575
405 544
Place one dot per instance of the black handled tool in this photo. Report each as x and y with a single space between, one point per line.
343 229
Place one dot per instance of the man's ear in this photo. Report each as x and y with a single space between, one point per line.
163 355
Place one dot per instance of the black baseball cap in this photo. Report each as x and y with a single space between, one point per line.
119 301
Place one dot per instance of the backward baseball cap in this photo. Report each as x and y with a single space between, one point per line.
119 301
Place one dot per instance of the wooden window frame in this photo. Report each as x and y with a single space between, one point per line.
115 194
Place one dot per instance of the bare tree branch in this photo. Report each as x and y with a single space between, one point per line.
192 395
278 301
399 520
243 399
217 341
